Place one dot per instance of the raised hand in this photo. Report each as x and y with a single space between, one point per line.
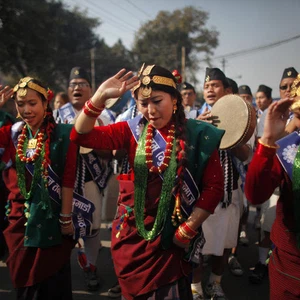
5 94
275 121
114 87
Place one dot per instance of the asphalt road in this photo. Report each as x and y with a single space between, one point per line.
236 288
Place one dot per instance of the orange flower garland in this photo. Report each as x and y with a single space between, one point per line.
168 150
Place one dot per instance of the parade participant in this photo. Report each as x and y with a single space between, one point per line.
5 119
263 99
60 99
188 100
221 228
233 87
160 144
268 208
276 163
39 160
94 172
245 92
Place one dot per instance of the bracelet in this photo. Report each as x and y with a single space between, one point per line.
268 146
183 233
66 226
89 112
188 230
180 238
90 105
65 222
66 215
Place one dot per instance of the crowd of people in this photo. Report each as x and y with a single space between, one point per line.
182 201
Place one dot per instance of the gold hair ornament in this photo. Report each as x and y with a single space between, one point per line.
27 83
146 91
295 92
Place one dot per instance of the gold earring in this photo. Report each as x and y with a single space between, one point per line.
174 106
18 116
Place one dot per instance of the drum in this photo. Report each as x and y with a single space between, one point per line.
237 117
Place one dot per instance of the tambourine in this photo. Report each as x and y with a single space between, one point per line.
237 117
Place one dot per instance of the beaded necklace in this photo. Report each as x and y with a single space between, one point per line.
167 154
38 159
140 182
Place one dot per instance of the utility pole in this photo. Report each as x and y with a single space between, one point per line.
183 63
93 69
223 65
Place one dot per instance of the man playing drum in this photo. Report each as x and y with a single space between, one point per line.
221 228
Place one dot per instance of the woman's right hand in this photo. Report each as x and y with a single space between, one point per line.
275 122
5 94
114 87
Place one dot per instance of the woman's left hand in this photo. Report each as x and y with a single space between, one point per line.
67 230
178 243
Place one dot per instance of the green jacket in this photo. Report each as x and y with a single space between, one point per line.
43 231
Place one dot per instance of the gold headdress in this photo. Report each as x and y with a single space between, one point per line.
146 80
26 82
295 93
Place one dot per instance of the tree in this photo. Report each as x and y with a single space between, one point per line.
109 60
43 39
160 41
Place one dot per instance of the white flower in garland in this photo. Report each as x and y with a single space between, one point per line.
289 153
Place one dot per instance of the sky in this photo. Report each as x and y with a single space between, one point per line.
248 30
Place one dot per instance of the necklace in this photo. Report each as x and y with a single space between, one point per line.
140 183
23 144
168 151
38 159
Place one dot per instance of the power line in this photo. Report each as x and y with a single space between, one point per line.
128 11
242 52
139 9
113 22
109 13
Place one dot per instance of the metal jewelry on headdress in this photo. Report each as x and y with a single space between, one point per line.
295 88
146 80
295 92
146 92
27 82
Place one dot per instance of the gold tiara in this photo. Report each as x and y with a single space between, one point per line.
26 82
145 71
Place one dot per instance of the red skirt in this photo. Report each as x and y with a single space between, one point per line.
31 265
284 273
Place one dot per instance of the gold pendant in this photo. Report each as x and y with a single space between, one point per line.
32 144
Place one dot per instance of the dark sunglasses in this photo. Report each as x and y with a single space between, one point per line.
285 87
